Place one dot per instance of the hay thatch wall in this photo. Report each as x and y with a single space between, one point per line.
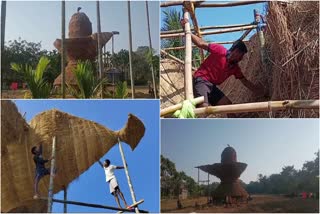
79 144
291 28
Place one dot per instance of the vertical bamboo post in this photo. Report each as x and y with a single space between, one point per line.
99 46
128 177
208 189
187 61
50 195
130 51
65 199
198 176
260 26
150 48
63 51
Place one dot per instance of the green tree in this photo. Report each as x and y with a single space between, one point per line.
39 87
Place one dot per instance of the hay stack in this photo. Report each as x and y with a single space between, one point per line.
292 64
79 144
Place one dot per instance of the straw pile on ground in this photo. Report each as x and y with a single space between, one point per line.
291 71
79 144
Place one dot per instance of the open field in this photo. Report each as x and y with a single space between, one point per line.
259 204
140 92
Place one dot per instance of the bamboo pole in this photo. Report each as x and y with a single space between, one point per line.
172 109
227 30
194 46
63 51
229 4
187 61
259 107
174 58
3 28
130 51
65 198
200 4
128 177
190 6
207 28
50 194
92 205
246 33
150 48
99 46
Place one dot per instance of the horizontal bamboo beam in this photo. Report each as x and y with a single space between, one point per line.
92 205
228 30
194 46
200 4
259 107
172 109
229 4
174 58
207 28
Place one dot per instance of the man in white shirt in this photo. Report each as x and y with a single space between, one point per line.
112 180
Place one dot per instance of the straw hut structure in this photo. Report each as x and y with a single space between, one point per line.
228 171
290 71
79 144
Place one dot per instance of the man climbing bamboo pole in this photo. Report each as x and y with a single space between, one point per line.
128 177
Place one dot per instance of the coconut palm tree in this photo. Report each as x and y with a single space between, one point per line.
150 50
63 35
38 86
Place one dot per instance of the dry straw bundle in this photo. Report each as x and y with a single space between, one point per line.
79 144
291 69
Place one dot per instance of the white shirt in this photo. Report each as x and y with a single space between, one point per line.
109 171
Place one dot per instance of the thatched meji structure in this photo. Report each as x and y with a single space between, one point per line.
79 143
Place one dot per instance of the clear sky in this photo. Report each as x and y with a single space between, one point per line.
265 145
41 21
223 16
143 162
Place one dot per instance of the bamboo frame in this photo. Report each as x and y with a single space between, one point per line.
99 46
93 205
199 4
128 177
174 58
194 46
65 198
50 194
188 86
207 28
171 109
227 30
260 107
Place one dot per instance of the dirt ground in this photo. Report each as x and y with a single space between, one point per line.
140 92
259 204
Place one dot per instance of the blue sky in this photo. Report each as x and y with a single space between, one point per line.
41 21
143 162
223 16
265 145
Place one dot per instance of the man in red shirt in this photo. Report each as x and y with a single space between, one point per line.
216 68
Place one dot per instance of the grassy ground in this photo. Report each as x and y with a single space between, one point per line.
259 204
140 92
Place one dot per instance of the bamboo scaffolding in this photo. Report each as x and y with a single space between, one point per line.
94 205
260 106
228 30
174 58
128 177
130 52
178 106
50 194
200 4
245 34
188 86
99 46
194 46
63 51
65 198
207 28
